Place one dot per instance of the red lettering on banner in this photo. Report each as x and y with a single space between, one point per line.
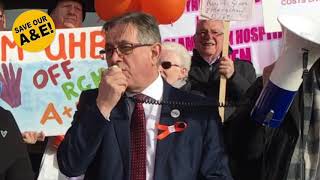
186 41
52 74
192 5
241 53
197 20
81 44
44 79
96 44
231 38
253 34
62 52
246 35
5 41
239 37
78 42
69 52
67 71
261 33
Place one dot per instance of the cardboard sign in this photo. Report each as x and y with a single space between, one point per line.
42 89
228 10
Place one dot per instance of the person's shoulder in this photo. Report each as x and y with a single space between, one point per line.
5 116
8 125
2 110
245 66
87 97
89 94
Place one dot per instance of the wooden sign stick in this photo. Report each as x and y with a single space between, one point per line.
223 79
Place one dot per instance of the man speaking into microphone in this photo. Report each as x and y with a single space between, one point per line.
115 135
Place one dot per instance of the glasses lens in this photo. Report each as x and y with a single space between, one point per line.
125 48
166 65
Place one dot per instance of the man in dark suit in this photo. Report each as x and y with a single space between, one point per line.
116 136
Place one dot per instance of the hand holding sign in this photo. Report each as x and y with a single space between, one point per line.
226 67
226 10
11 85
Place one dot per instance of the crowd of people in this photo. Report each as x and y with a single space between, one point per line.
118 134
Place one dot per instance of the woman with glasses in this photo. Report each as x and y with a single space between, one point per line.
175 65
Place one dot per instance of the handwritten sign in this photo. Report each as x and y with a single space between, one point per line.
42 89
228 10
273 8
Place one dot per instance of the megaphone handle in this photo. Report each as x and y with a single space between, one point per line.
304 109
305 63
223 80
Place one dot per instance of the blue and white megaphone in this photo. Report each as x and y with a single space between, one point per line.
286 77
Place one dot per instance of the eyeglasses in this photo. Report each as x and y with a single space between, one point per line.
205 33
122 49
167 65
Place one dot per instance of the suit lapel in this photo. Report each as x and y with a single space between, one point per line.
164 146
121 122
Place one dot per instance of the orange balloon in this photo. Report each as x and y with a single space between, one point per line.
135 6
166 11
107 9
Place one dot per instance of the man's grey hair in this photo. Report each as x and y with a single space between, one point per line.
181 51
147 26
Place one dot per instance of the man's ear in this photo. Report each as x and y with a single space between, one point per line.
155 53
184 72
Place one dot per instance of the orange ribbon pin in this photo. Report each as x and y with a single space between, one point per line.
167 130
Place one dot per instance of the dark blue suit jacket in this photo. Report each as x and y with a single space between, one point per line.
100 149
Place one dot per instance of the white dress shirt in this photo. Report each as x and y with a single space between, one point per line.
211 61
152 114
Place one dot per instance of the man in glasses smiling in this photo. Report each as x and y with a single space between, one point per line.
208 65
114 134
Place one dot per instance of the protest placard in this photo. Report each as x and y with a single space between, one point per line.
42 89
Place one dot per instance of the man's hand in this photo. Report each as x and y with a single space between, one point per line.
11 85
226 67
31 137
113 84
